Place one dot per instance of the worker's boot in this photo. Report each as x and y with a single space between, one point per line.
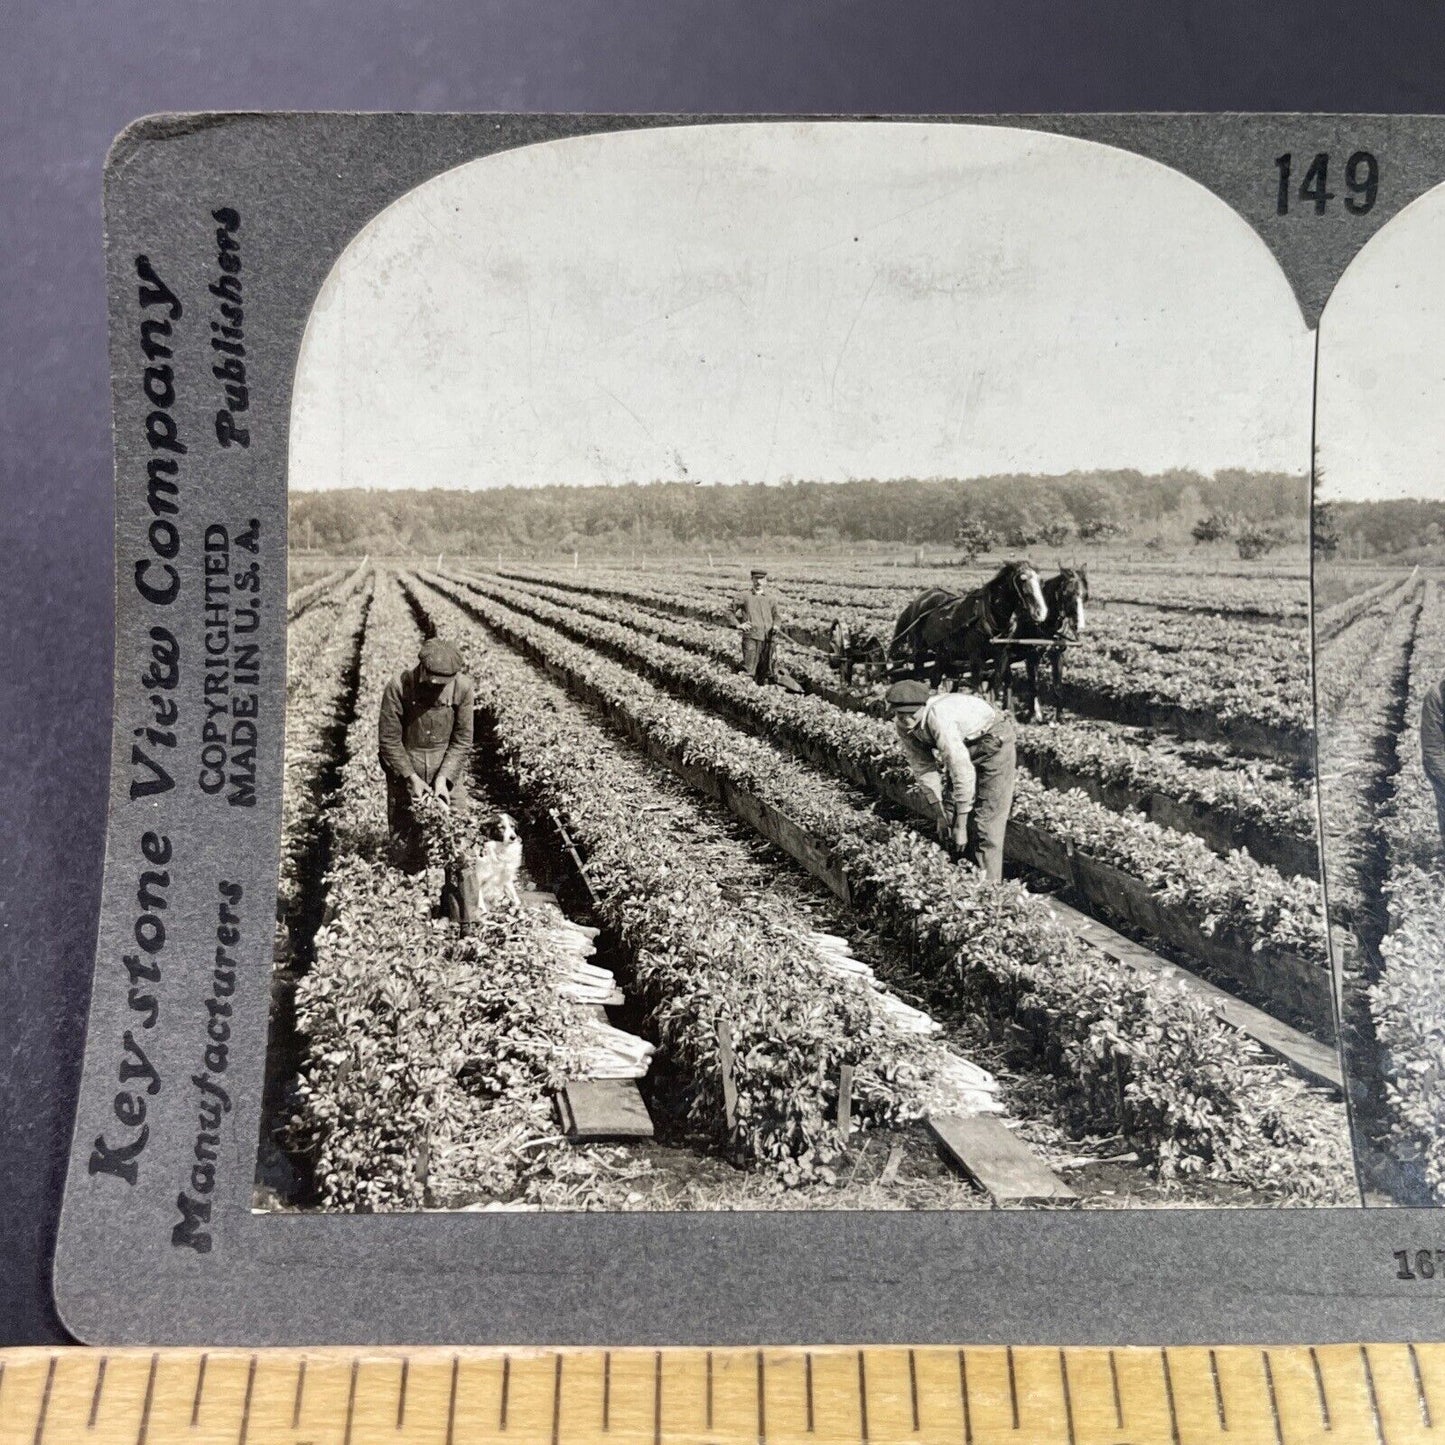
461 901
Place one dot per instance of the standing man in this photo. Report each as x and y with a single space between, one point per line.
425 735
961 749
1432 747
758 619
840 650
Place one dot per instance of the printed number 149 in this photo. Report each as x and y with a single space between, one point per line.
1362 179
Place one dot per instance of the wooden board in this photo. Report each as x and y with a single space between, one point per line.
1000 1163
595 1109
725 1063
1317 1062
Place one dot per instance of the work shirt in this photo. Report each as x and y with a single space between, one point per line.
1432 734
425 733
938 739
759 612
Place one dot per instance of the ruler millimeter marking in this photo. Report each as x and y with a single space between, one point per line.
1322 1395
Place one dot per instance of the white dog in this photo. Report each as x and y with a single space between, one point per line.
496 868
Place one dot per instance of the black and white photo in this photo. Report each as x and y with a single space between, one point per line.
799 690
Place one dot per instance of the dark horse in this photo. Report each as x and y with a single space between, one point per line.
956 630
1065 595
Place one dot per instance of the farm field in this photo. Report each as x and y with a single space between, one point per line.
757 859
1259 595
1233 801
1203 677
1274 915
1383 647
1337 582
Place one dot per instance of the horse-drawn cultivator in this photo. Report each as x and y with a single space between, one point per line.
1015 616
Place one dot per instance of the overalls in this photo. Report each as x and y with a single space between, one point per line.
426 733
759 614
991 758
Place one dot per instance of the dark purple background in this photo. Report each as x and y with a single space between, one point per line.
74 73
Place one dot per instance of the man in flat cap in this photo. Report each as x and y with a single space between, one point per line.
960 748
425 736
758 619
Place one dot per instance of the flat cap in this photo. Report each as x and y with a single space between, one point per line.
440 658
907 694
759 572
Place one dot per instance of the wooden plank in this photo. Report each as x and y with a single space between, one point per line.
595 1109
778 828
564 1113
1317 1062
1000 1163
890 1169
725 1061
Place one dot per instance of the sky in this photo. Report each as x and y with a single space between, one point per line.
1381 425
799 300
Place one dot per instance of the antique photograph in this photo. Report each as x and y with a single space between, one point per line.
1379 524
799 689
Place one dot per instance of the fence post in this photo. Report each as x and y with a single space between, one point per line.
571 847
730 1088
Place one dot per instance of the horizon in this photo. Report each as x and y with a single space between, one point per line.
1379 501
1161 476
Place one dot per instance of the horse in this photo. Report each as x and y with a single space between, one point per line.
1065 595
849 650
956 630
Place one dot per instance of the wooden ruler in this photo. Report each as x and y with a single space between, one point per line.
1372 1394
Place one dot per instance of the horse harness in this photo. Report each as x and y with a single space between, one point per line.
979 597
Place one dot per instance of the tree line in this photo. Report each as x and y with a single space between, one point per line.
1408 528
1002 510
